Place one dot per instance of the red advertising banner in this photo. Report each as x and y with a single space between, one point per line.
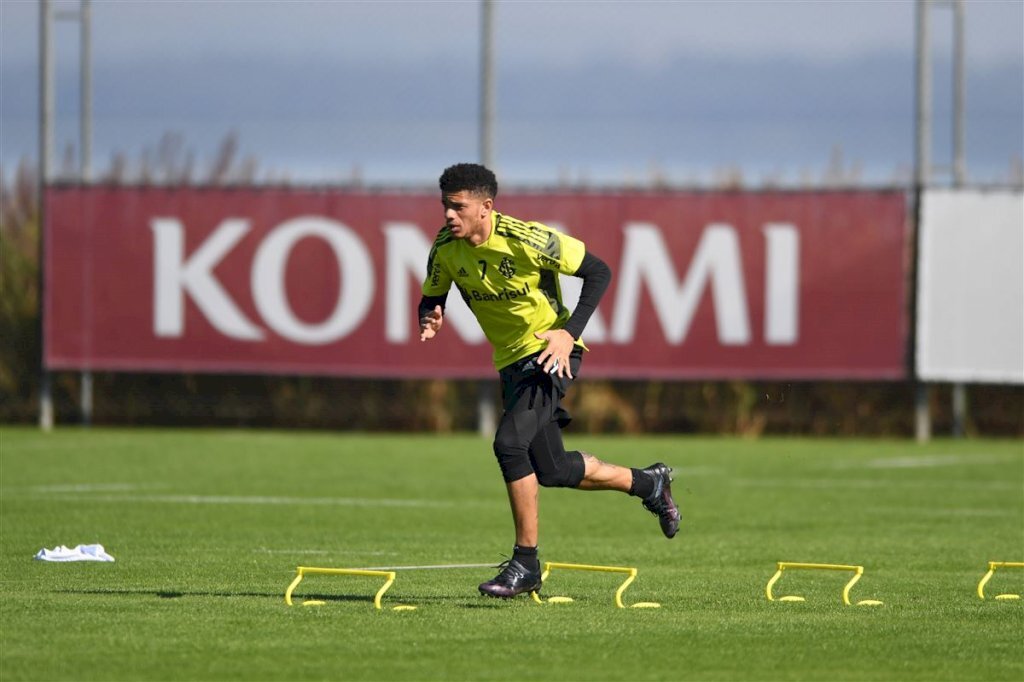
706 285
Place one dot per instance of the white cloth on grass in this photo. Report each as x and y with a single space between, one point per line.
79 553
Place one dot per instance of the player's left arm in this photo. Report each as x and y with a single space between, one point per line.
596 276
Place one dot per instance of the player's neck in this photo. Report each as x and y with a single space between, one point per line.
484 233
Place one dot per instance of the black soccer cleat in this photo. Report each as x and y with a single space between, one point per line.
660 503
514 579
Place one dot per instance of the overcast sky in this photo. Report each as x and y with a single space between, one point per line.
603 91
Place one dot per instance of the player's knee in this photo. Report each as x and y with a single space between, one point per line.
568 475
508 443
513 456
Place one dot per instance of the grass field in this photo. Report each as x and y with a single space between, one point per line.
208 528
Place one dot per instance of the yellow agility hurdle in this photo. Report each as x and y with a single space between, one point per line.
992 566
630 577
858 571
303 571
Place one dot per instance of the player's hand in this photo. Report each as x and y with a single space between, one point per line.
431 323
560 343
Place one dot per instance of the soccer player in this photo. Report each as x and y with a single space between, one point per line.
507 272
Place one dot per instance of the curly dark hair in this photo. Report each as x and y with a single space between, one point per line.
473 177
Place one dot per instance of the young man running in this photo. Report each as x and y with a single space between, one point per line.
507 272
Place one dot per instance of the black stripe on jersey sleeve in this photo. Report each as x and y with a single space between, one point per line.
522 233
553 249
549 287
444 236
544 240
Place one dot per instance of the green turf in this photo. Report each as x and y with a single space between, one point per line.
209 526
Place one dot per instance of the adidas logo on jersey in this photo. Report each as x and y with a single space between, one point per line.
463 273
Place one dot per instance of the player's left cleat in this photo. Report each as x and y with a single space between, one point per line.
514 579
660 503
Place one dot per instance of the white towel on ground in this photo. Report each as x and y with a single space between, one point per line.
79 553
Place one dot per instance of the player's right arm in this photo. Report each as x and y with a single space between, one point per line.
431 313
435 290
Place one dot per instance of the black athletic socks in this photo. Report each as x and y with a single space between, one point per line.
643 484
527 556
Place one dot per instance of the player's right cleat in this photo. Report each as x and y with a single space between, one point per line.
660 503
514 579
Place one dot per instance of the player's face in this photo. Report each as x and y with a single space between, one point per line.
467 215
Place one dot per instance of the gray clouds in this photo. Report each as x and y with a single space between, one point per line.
605 89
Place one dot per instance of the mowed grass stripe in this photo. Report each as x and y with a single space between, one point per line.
247 499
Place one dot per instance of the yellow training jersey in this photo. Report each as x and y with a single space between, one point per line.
510 281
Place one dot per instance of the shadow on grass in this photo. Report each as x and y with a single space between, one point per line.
487 603
178 594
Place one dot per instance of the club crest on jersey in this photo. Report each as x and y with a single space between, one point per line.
507 267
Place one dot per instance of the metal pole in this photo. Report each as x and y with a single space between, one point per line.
959 399
959 177
85 72
46 91
922 416
486 408
959 122
85 160
923 113
487 83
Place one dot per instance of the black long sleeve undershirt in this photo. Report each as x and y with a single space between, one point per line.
427 304
596 276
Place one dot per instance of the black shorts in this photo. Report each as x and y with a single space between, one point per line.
529 438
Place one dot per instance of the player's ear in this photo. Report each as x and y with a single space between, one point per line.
487 204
